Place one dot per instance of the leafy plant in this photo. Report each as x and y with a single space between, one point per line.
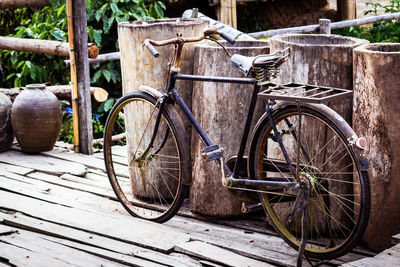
50 23
385 31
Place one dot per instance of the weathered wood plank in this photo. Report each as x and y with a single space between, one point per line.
6 230
396 239
367 262
42 163
388 257
67 183
18 256
51 229
89 161
130 260
15 169
36 243
258 246
143 233
217 254
54 193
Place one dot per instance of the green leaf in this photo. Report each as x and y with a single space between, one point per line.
10 76
58 34
109 104
97 75
98 15
159 10
114 8
107 75
60 10
97 36
34 72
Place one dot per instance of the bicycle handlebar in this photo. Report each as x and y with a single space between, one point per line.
149 43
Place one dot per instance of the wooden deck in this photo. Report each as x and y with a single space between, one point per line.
58 209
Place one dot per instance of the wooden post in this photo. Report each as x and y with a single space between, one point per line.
79 30
324 26
348 9
376 117
227 12
221 110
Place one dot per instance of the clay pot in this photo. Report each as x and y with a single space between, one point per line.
36 119
6 132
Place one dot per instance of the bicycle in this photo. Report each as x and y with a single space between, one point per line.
304 161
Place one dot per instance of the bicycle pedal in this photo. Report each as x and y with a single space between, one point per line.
212 152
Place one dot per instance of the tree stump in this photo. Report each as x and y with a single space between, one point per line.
319 59
139 67
221 110
324 60
376 117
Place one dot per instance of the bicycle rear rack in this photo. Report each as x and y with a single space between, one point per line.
303 93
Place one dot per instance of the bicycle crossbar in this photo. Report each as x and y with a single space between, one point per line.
215 79
272 183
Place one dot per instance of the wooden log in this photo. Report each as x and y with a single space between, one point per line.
221 110
139 67
23 3
376 117
42 46
99 59
324 60
62 92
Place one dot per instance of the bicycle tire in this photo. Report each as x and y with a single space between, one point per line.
340 195
151 186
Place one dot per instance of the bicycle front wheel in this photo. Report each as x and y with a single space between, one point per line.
147 179
339 199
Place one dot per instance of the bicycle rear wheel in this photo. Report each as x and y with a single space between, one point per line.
339 199
148 180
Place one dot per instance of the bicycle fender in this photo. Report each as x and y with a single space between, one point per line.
349 133
180 130
151 91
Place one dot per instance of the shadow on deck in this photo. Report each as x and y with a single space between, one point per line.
58 209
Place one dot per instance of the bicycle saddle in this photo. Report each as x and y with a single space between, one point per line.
244 63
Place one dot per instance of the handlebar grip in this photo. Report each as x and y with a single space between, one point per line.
227 37
151 48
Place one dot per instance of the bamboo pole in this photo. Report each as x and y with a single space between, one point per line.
334 25
42 46
349 9
233 14
74 91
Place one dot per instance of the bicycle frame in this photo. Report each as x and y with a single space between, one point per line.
231 175
173 75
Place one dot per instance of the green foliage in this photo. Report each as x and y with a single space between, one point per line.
50 23
385 31
18 69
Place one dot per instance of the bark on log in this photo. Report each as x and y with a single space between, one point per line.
324 60
318 59
99 59
62 92
23 3
376 117
221 110
139 67
42 46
